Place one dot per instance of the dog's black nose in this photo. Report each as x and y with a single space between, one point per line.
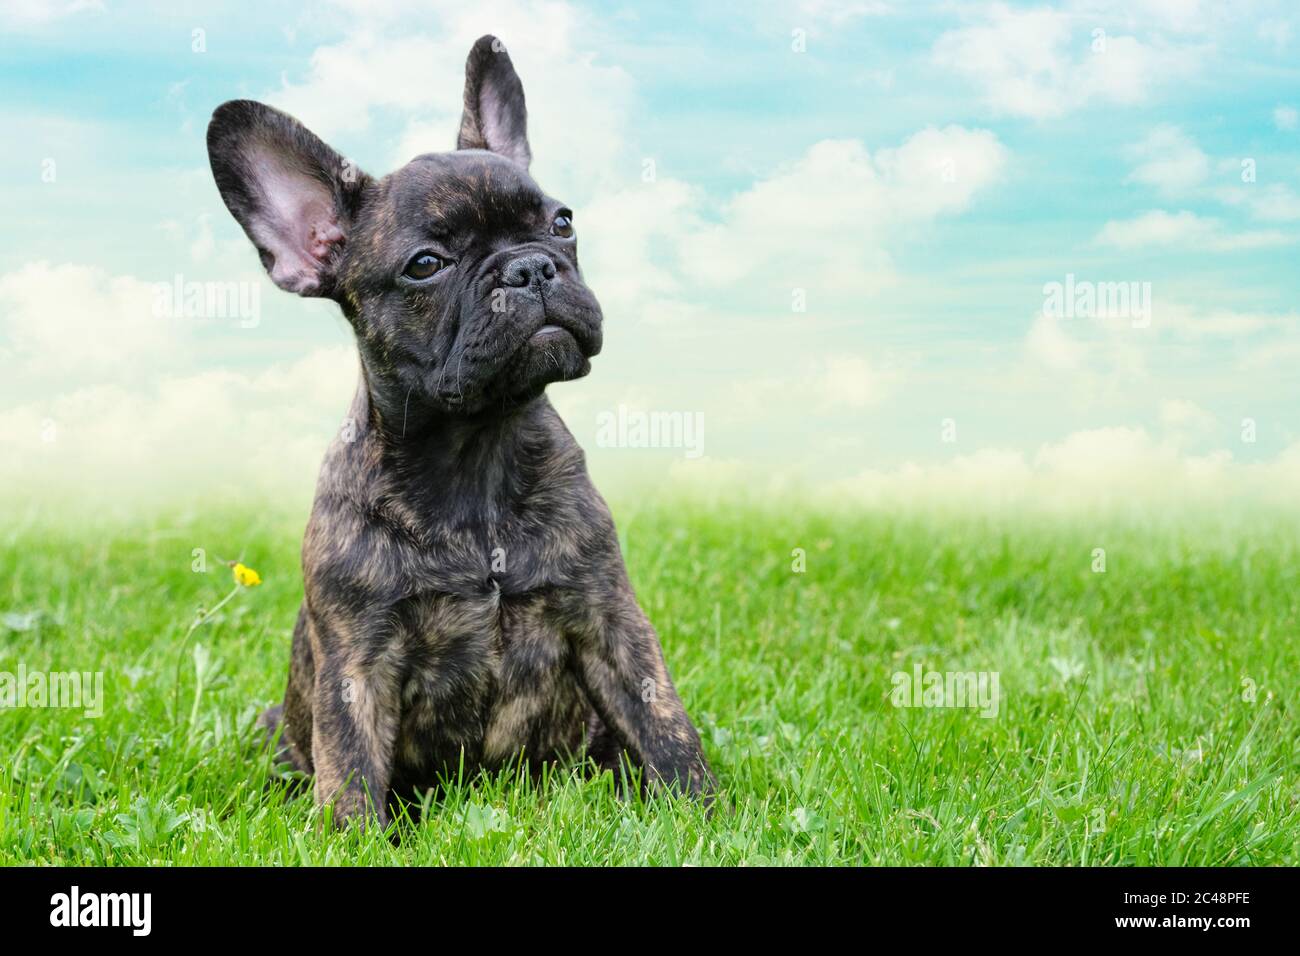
533 268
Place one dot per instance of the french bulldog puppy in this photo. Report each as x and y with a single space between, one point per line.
466 601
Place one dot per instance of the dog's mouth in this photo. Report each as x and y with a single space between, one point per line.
548 332
518 356
559 329
559 350
553 353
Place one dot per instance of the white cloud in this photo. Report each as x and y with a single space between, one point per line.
1178 16
1095 363
264 429
824 222
1090 474
826 385
1158 228
1270 355
122 410
629 249
350 79
28 13
1119 468
1085 360
1169 160
1043 63
1286 117
1274 202
1172 163
1093 456
76 320
1193 324
409 57
1185 421
837 13
1275 32
849 382
1048 344
1014 56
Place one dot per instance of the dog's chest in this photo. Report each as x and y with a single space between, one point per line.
488 675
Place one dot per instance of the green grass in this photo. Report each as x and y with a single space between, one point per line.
1126 733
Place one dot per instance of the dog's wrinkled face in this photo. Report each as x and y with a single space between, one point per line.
458 273
465 274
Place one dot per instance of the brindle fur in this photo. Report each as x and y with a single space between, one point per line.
466 600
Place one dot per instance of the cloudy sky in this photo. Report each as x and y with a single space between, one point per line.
865 245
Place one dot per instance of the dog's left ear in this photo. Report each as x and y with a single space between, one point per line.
295 197
495 116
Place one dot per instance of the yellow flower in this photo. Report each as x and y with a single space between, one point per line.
247 576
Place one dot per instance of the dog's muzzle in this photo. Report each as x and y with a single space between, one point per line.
535 269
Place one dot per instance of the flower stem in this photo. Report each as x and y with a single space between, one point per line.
199 621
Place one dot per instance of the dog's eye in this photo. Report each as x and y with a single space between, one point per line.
562 227
423 266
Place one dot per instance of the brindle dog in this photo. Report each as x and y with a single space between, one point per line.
465 596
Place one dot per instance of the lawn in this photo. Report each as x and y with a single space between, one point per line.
1145 712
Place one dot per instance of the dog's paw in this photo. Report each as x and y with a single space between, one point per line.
353 808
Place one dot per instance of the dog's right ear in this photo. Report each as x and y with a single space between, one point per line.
295 197
495 116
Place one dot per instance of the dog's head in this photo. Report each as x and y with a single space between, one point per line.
458 273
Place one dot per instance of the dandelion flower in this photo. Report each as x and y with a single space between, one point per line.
247 576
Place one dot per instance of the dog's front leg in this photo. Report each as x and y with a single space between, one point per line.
624 675
355 721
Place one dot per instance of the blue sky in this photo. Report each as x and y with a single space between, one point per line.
917 172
